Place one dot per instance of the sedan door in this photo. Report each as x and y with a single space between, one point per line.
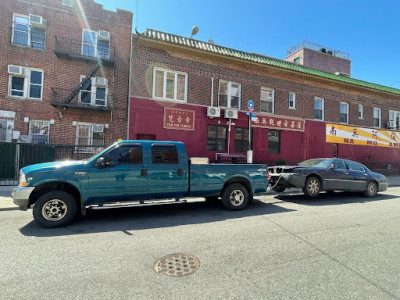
338 177
358 176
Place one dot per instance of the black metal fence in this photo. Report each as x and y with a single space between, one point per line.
14 156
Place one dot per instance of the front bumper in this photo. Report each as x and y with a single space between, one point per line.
383 186
21 195
288 180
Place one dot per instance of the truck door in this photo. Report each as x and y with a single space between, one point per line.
167 173
122 178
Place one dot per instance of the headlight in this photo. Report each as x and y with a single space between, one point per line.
22 179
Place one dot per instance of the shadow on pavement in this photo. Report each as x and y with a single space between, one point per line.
330 198
142 218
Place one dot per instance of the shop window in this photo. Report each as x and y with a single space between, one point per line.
274 142
267 101
216 138
169 85
229 94
241 139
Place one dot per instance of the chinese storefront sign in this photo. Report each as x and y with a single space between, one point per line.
179 119
275 122
343 134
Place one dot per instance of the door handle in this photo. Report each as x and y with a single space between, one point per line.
143 172
180 172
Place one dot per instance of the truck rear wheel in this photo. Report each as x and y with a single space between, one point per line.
235 197
54 209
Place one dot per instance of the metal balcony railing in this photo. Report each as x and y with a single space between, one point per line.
78 49
84 100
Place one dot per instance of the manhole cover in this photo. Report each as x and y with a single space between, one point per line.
177 265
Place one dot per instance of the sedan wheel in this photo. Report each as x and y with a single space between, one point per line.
312 187
371 190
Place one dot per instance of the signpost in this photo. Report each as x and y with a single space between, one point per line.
250 108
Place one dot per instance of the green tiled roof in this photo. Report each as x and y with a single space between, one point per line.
229 52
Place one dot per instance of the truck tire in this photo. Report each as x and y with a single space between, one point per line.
312 187
235 197
55 209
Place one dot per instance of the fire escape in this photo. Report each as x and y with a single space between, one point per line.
96 58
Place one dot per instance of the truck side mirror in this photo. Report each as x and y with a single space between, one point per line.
100 163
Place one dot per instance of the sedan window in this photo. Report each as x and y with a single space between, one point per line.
317 163
355 166
339 164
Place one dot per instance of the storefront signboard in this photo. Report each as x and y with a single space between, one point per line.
178 119
279 122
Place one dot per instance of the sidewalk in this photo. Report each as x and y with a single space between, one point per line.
6 202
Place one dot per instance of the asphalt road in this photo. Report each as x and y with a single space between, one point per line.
339 246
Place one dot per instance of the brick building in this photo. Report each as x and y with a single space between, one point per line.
64 72
196 92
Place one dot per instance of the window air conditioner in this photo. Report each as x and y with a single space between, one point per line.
231 113
391 125
16 70
213 112
101 81
97 128
104 35
37 21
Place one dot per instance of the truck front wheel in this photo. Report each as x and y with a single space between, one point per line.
235 197
54 209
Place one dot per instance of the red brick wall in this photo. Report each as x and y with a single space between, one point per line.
61 73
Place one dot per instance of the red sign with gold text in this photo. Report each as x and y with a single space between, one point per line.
178 119
278 122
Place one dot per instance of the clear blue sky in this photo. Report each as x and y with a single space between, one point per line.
368 30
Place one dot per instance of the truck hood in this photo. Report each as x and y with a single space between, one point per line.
51 166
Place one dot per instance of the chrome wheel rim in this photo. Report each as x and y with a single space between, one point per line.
236 198
313 186
371 189
54 210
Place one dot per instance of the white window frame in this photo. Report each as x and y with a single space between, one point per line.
229 95
292 98
81 147
346 112
322 108
272 91
29 32
360 111
95 44
46 122
164 92
27 84
395 116
376 109
93 93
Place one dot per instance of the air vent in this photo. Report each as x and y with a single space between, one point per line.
213 112
231 113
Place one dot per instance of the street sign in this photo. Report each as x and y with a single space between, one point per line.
253 115
250 105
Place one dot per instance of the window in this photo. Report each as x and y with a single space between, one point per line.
339 164
25 34
92 45
354 166
94 91
344 112
40 131
241 139
169 85
267 100
292 100
130 154
274 142
318 109
394 116
360 111
3 130
229 94
89 135
297 60
28 83
377 117
161 154
216 138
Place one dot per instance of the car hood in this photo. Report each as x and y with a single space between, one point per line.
52 166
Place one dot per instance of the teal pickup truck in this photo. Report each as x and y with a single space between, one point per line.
131 173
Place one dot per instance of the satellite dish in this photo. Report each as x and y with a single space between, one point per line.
195 30
210 41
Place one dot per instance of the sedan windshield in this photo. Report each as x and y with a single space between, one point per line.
316 163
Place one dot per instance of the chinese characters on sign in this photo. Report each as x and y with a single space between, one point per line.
179 119
343 134
283 123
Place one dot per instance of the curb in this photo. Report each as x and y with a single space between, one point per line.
8 208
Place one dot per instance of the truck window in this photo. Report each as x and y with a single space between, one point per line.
125 155
164 155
